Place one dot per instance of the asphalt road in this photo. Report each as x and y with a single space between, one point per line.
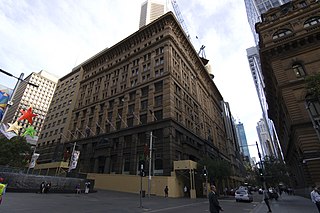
115 202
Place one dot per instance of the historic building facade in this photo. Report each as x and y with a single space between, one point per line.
55 127
289 50
149 89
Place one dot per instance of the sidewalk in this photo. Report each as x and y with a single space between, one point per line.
288 203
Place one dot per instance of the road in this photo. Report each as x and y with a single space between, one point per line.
107 201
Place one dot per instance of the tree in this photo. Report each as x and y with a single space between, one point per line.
217 170
275 171
313 85
14 152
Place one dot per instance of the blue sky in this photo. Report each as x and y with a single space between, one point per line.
57 35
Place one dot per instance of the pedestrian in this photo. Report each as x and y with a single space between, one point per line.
185 191
87 187
315 197
47 187
78 190
266 198
2 189
42 186
166 191
213 201
225 191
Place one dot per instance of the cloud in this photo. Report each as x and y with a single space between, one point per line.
58 35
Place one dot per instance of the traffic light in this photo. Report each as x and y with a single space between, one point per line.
261 176
205 173
141 168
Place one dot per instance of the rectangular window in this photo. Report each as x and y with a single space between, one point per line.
143 119
158 87
144 91
158 101
158 114
132 96
130 109
144 105
130 122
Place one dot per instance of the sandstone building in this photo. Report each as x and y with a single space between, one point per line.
151 83
289 49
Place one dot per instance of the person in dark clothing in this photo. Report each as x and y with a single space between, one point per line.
266 199
213 201
47 187
166 191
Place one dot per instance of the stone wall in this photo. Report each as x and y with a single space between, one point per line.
20 182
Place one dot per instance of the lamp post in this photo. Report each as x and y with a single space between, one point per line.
10 102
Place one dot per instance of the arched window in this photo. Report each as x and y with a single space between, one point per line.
298 70
311 21
280 33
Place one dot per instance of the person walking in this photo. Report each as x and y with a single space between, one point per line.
166 191
2 189
213 201
266 198
315 197
185 190
42 186
87 187
78 189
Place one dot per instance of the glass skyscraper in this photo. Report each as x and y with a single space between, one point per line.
242 139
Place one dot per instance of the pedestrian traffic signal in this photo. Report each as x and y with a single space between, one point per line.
205 172
141 168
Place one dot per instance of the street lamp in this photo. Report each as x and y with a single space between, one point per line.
10 102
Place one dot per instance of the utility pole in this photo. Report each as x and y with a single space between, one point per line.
150 166
261 164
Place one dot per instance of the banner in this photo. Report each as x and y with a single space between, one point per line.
5 94
74 160
33 160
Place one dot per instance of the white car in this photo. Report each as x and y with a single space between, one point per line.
243 195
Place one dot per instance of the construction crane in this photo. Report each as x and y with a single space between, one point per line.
201 51
179 17
184 26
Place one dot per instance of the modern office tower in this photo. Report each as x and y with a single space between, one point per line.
149 89
254 10
150 11
55 127
39 98
241 134
289 52
267 147
255 67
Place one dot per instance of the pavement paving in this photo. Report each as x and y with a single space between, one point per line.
114 202
288 204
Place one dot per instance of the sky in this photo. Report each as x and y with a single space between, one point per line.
57 35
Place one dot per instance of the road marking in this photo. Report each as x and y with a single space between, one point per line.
175 207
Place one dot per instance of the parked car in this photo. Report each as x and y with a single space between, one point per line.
243 195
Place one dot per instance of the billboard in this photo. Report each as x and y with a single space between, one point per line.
5 94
